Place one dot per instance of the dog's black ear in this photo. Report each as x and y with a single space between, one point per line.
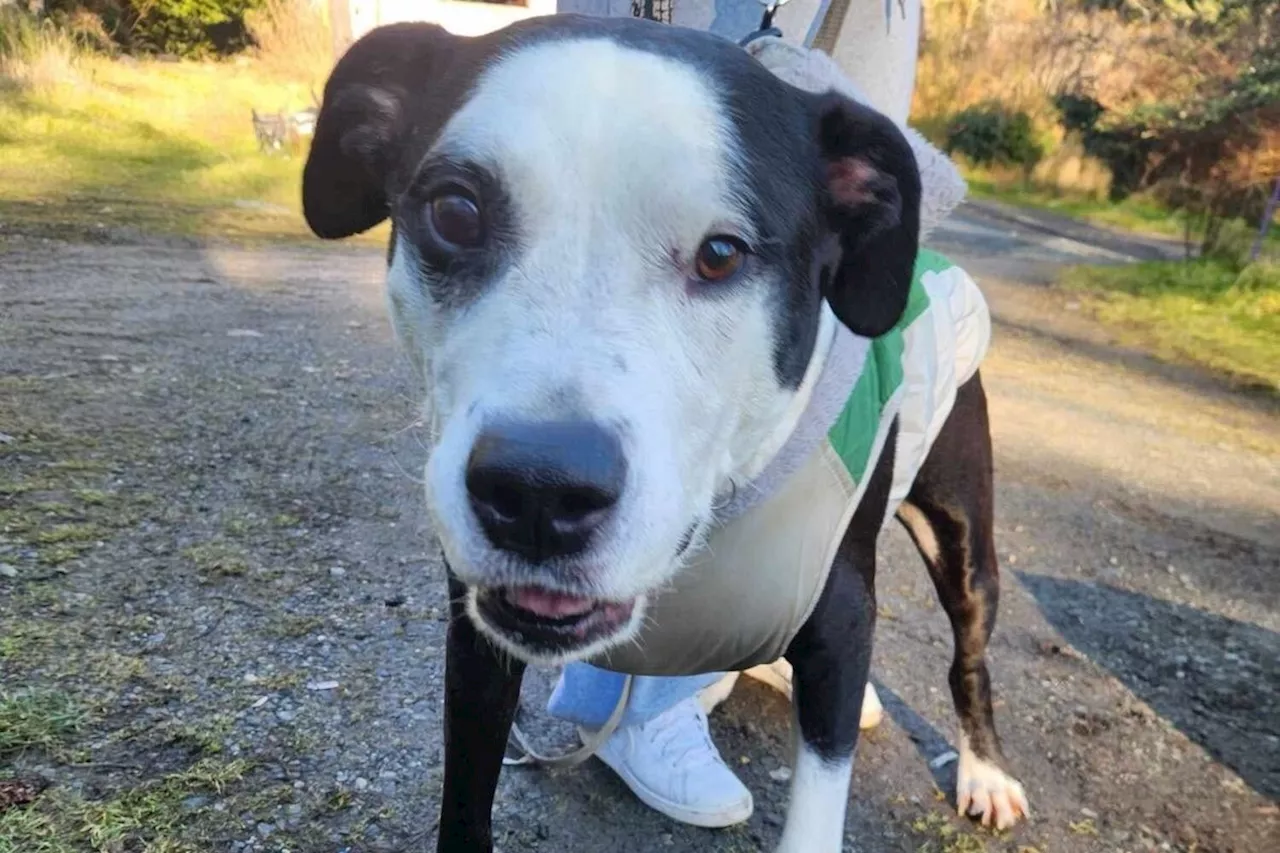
390 80
872 203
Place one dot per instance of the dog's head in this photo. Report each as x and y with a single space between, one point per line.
613 247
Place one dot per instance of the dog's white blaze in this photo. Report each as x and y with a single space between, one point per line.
618 163
819 796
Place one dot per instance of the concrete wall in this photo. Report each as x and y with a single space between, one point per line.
463 17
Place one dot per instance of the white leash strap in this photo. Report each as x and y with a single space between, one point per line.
590 743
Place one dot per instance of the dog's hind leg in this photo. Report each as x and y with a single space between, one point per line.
830 659
481 691
949 514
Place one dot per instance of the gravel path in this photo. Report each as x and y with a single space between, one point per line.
212 545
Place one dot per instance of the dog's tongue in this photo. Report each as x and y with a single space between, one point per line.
548 604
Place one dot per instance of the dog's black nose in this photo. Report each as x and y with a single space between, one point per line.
540 489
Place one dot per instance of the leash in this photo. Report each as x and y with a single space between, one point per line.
826 26
822 36
590 743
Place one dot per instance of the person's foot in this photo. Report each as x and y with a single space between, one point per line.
778 676
671 764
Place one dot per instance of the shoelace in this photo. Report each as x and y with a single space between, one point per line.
669 729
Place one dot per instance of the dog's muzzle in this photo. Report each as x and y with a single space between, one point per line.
542 492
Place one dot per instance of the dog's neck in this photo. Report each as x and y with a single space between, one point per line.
837 362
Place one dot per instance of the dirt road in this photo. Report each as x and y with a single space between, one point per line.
211 542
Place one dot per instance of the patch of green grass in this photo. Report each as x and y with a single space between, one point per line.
286 680
48 509
1139 213
93 497
296 627
43 643
1084 826
1133 214
70 533
158 816
943 836
217 559
1203 313
151 147
204 736
56 555
37 719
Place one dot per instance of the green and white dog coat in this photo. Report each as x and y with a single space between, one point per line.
744 595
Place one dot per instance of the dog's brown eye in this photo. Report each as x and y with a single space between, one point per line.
455 218
719 258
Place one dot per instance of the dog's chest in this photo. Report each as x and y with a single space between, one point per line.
751 587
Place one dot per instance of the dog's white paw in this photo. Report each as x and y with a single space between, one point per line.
986 792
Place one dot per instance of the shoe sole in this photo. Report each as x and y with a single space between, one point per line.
705 820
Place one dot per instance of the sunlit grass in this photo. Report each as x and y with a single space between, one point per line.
163 147
1201 312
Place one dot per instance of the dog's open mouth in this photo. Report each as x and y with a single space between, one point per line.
542 618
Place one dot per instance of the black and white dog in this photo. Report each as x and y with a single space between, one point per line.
612 245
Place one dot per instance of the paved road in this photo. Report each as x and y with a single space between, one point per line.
236 427
999 240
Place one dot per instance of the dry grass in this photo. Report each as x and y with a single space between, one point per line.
293 39
35 54
1023 52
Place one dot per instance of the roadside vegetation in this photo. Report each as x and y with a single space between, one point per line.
102 145
1163 114
1154 116
1208 313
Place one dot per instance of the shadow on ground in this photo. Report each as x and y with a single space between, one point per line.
1212 677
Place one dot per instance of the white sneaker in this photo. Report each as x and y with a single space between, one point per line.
778 675
671 764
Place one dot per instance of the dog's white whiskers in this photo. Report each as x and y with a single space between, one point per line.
417 480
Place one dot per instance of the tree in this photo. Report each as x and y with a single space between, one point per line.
1215 153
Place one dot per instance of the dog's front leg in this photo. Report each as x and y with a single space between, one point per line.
481 691
831 660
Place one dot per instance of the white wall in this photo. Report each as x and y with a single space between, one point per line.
457 16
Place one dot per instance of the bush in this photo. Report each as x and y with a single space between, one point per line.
188 28
1261 277
992 134
191 27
